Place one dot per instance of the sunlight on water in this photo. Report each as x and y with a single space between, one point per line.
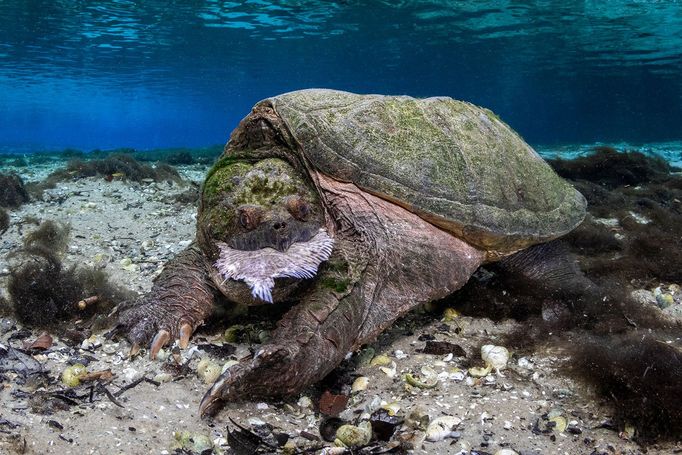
122 73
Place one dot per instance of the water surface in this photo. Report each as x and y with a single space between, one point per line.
170 73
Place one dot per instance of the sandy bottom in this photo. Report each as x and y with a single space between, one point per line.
130 230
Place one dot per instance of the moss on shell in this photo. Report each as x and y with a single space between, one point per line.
339 285
453 163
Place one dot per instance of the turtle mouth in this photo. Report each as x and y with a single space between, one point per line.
259 268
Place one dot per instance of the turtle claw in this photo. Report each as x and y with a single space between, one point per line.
134 350
222 388
212 401
185 332
160 340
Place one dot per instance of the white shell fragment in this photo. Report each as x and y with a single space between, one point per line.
390 370
560 423
495 357
479 372
427 380
305 402
442 428
392 408
380 360
208 370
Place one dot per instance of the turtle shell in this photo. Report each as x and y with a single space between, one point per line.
454 164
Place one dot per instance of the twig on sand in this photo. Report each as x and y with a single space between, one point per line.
102 388
86 302
135 383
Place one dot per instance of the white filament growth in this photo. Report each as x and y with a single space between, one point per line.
259 268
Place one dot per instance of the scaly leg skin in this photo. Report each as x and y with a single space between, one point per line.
391 260
181 298
549 268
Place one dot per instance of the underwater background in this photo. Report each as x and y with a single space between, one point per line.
112 113
154 74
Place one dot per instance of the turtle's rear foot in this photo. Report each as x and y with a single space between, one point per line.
550 270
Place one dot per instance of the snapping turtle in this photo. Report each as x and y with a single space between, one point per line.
352 209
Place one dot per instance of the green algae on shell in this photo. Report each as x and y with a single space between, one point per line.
233 182
452 163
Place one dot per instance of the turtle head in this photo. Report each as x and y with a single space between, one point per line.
259 222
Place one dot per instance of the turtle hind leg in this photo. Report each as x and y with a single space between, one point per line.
547 270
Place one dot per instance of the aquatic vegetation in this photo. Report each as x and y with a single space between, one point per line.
124 165
4 220
180 157
119 166
12 191
49 235
646 384
43 292
611 168
175 156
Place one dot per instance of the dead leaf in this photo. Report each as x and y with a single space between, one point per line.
332 404
42 343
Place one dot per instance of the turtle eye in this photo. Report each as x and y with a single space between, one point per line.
249 217
298 208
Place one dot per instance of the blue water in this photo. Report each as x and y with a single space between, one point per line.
146 74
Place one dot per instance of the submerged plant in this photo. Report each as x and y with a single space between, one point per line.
612 168
12 191
115 166
43 292
4 220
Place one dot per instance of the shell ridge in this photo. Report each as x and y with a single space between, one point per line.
453 163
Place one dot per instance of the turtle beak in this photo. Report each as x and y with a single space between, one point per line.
276 234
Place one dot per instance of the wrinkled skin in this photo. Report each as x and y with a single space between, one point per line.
182 298
375 275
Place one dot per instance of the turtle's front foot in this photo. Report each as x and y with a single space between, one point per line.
180 300
157 323
275 369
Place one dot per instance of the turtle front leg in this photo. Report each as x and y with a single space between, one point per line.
395 261
181 298
309 342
